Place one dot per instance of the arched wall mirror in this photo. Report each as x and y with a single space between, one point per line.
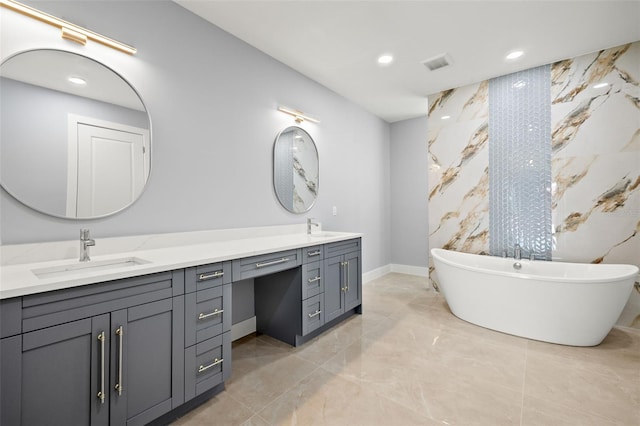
295 169
75 140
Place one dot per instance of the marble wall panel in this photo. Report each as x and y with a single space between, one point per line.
458 170
595 163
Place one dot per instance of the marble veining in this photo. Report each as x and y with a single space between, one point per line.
458 169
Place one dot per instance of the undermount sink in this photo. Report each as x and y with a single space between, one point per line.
90 266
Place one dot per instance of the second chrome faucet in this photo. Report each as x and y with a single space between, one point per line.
85 243
310 223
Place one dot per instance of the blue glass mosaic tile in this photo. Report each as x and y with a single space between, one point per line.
520 163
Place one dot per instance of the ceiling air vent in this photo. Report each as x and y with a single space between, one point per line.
439 61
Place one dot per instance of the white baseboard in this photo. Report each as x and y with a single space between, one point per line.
393 267
376 273
243 328
421 271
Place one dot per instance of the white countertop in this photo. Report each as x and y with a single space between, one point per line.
20 280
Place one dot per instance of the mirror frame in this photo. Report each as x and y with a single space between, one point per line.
275 189
146 109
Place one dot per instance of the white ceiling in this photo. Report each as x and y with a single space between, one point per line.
336 43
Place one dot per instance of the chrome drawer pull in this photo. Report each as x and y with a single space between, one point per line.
314 253
101 338
213 364
273 262
216 274
315 314
313 280
204 316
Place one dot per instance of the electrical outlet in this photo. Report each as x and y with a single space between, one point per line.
335 211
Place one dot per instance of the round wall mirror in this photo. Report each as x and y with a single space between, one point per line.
295 169
75 140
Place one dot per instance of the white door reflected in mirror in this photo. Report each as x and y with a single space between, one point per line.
111 167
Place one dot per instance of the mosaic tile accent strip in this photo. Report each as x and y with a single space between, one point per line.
520 163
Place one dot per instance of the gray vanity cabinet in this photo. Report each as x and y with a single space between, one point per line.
343 278
120 366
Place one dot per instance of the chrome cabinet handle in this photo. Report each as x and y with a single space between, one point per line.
213 364
314 253
216 274
347 277
120 333
345 270
101 338
313 280
315 314
273 262
204 316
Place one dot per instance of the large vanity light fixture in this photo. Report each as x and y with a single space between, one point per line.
299 116
69 31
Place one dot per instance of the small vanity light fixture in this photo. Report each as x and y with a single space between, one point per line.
69 31
299 116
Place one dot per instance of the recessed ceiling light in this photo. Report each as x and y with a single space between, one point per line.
514 55
600 85
385 59
77 80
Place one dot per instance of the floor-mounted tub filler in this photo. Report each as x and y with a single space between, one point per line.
567 303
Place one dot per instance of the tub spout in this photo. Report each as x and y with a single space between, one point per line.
517 252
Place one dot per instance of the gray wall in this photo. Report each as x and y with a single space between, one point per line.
409 193
212 100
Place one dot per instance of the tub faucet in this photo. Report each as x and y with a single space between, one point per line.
310 223
85 243
517 252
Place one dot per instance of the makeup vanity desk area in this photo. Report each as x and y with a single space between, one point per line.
141 336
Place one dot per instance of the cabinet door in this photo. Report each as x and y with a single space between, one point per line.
63 372
353 280
142 362
333 288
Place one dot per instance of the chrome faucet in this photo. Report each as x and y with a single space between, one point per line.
85 243
310 222
517 252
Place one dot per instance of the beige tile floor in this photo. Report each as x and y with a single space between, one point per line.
408 361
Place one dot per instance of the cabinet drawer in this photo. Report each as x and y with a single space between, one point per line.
207 276
255 266
312 254
312 281
312 313
207 364
207 314
342 247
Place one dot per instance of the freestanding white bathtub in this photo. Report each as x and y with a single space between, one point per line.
567 303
